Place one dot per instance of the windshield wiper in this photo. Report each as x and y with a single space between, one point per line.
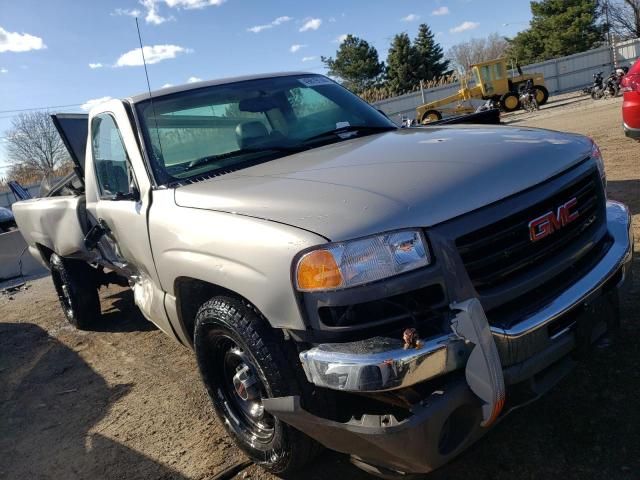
365 129
214 158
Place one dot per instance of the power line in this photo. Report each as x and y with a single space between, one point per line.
40 108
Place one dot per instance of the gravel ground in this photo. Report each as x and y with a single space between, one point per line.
124 401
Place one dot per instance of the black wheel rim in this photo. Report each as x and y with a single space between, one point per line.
64 294
240 388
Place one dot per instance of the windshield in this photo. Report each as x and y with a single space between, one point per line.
227 127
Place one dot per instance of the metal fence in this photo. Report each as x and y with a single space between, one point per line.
561 75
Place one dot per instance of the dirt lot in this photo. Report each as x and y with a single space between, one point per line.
123 401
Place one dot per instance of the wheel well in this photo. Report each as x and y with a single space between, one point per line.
191 293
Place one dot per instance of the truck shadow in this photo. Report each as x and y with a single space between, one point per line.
120 314
50 401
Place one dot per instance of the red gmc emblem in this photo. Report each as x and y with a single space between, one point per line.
546 224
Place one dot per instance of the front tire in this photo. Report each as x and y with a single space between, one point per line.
542 94
75 285
510 102
431 116
242 360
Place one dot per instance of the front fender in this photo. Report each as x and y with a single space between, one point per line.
249 256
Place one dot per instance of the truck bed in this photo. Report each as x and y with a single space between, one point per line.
56 223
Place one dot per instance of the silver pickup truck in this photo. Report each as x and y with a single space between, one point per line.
387 293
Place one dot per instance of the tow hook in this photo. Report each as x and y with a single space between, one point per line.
411 339
484 370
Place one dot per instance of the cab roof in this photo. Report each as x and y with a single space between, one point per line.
209 83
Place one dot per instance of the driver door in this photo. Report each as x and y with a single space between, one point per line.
118 199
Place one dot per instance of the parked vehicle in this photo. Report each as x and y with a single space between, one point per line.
597 87
528 98
631 102
7 221
612 85
492 82
387 293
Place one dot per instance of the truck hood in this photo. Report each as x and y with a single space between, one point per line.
404 178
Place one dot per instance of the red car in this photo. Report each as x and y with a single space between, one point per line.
631 104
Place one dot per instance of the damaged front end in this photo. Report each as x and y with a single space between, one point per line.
410 401
435 425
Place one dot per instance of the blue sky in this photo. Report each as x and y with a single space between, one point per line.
48 48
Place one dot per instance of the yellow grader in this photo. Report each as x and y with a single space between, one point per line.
492 83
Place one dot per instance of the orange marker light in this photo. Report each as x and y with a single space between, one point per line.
318 270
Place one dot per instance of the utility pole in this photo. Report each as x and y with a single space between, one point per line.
610 41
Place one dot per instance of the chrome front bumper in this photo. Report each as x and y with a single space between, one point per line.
381 363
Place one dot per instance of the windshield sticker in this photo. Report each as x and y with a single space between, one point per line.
315 81
342 124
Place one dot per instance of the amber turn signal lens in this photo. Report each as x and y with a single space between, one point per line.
318 270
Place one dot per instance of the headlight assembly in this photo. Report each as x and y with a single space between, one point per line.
355 262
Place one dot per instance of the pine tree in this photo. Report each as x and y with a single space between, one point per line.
558 28
356 64
402 65
430 55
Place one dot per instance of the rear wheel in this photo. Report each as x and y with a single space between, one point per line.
431 116
241 361
542 94
509 102
75 285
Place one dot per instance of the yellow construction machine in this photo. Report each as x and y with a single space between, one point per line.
492 83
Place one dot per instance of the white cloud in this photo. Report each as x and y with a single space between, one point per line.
4 70
259 28
93 66
308 59
190 4
332 20
412 17
126 12
194 79
296 47
340 38
167 85
464 26
311 24
152 54
275 23
89 104
281 20
19 42
152 12
440 11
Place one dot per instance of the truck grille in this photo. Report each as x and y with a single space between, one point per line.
501 252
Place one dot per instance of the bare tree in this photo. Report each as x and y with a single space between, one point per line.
34 146
477 50
624 17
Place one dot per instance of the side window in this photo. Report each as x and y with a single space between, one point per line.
110 157
498 72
